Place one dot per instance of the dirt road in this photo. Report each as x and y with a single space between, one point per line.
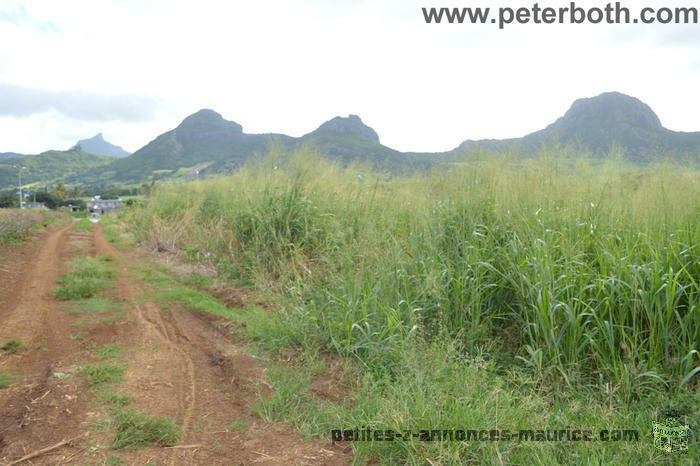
176 365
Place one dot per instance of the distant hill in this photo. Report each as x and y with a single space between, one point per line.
97 145
202 138
50 167
7 155
598 124
206 143
348 139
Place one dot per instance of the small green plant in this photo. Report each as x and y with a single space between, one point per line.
194 299
87 276
100 425
101 374
5 380
135 429
192 253
239 425
94 305
290 397
73 287
112 351
12 347
114 460
83 226
110 319
115 400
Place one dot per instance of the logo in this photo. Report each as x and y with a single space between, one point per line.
670 435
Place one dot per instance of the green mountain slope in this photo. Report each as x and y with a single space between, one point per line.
350 140
203 138
50 167
599 124
206 143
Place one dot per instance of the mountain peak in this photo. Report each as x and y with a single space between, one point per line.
96 138
207 119
351 125
610 109
98 145
205 114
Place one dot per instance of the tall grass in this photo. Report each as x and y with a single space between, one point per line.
588 274
16 226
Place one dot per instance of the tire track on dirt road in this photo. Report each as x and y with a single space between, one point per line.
27 314
178 365
219 382
39 407
169 334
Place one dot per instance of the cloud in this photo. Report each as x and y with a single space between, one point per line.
286 66
653 35
684 35
20 102
17 14
694 65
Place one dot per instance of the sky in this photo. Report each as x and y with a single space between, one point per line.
134 69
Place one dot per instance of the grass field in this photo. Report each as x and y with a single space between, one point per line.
493 296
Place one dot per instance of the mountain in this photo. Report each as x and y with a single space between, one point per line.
206 143
202 139
349 139
97 145
352 127
7 155
600 124
50 167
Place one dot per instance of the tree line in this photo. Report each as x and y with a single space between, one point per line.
60 195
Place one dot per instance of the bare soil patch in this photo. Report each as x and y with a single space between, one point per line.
177 365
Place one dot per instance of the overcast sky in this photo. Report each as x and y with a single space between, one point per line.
134 69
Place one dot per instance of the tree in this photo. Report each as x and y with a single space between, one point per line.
60 191
49 199
75 202
8 201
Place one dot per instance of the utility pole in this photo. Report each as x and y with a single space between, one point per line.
21 199
21 204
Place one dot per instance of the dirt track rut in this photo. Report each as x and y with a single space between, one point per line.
177 365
